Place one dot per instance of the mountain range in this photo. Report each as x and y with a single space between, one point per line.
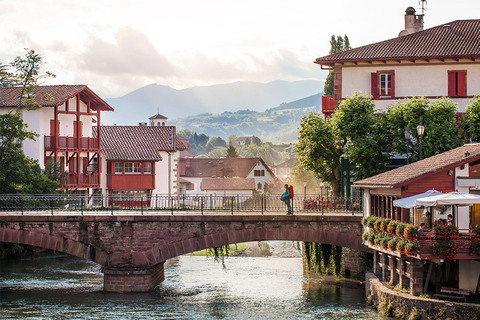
139 105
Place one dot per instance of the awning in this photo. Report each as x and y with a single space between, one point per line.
409 202
451 198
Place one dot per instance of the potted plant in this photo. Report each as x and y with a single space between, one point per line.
411 248
445 233
445 249
410 232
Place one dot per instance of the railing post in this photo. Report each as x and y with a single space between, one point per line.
171 207
81 204
233 199
201 204
21 204
51 205
141 205
110 199
261 202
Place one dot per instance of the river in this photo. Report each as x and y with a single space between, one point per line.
65 287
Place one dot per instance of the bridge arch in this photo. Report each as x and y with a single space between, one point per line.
55 243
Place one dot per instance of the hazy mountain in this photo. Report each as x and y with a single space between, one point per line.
144 102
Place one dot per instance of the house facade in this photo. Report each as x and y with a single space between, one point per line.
194 174
140 161
443 61
454 170
65 124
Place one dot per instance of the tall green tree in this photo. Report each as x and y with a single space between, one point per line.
231 152
472 120
337 44
319 149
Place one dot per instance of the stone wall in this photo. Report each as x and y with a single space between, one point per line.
406 306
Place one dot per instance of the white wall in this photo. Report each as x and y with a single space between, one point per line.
162 175
262 179
39 121
411 80
469 270
463 213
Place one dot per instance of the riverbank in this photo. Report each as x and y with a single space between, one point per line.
406 306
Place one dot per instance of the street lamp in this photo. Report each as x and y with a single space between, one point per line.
420 131
407 134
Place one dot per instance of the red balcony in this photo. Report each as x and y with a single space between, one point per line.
130 181
71 143
328 104
82 180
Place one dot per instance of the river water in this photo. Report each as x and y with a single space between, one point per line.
65 287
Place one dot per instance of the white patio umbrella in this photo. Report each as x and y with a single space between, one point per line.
409 202
451 198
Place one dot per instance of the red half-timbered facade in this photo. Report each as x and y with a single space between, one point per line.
65 123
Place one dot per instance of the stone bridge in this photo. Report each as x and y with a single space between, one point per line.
133 248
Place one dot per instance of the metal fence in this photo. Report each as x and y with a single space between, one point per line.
112 204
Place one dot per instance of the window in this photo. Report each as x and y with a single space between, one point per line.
259 173
259 186
118 168
457 83
128 167
137 167
147 167
383 84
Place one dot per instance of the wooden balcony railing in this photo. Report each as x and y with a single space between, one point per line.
328 104
71 143
462 241
82 180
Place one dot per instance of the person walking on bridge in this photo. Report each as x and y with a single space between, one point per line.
287 196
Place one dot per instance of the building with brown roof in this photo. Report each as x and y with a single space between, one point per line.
454 170
443 61
65 123
140 160
194 171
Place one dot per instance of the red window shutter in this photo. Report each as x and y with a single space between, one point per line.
85 164
52 128
374 85
462 83
71 165
62 164
452 84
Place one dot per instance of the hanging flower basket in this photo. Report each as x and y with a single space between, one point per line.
400 229
445 233
401 245
445 249
410 232
392 227
411 249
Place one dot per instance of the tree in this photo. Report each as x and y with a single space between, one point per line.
472 120
215 142
362 132
231 152
27 75
442 130
256 140
232 140
319 149
337 45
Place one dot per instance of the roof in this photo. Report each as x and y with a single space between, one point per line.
158 116
137 142
222 167
286 164
51 96
457 39
399 177
211 184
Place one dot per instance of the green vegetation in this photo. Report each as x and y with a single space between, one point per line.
323 258
337 44
273 125
219 253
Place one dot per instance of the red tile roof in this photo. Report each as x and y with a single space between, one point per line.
221 167
158 116
50 96
399 177
138 142
457 39
217 184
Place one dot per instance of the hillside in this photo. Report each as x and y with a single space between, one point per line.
140 104
276 126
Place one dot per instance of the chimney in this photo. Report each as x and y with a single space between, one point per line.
413 22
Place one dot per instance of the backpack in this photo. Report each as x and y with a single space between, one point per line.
291 191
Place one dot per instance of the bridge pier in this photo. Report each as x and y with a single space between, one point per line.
133 279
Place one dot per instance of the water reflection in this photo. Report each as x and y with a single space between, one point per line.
58 287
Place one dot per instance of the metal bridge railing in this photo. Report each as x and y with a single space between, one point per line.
260 204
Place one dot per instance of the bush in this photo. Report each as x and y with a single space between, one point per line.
392 227
401 245
411 249
445 249
392 244
384 224
378 225
400 228
371 221
445 232
384 242
410 232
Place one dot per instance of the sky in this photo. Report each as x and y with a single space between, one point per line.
118 46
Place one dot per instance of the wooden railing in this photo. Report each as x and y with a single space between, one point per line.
70 143
462 241
82 180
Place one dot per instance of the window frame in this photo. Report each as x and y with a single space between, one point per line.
120 164
376 82
147 165
128 168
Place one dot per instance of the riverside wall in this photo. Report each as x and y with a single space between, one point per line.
407 306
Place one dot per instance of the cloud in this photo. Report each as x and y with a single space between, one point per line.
130 53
